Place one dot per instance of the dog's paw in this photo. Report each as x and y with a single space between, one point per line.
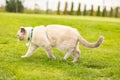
24 56
54 58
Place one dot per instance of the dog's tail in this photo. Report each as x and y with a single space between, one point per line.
91 45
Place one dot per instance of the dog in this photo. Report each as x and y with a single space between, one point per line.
59 36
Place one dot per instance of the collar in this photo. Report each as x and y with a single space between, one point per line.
30 34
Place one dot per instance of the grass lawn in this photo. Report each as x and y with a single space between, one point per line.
101 63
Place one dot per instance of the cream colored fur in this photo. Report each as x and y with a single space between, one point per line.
59 36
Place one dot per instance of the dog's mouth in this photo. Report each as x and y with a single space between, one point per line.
20 39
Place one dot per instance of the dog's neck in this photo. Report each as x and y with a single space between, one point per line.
30 34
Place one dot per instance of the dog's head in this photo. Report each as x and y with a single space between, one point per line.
23 33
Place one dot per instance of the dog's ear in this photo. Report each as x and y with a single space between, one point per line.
22 30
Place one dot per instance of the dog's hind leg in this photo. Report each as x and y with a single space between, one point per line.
68 54
76 55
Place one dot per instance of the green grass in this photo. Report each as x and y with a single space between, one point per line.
101 63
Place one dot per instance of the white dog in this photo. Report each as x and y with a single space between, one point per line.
59 36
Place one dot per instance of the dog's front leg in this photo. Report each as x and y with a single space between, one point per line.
30 51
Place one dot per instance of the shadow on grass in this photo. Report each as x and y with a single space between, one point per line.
79 69
61 63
